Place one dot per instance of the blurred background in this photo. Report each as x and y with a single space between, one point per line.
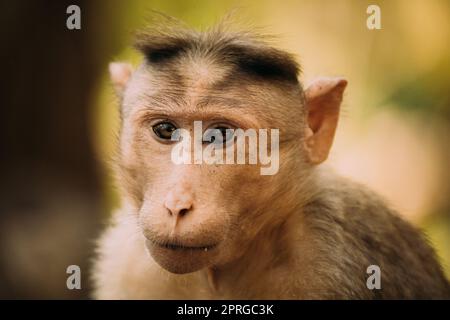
59 119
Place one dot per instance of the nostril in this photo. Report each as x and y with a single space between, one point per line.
178 204
180 213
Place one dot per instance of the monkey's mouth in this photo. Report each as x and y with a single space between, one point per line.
182 256
176 246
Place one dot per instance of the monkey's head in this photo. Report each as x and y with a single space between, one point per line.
202 215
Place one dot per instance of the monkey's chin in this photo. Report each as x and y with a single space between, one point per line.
180 260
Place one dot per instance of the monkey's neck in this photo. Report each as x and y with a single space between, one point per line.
271 251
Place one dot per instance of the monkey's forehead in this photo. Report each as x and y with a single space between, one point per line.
207 86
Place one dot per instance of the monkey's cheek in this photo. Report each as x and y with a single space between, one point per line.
180 261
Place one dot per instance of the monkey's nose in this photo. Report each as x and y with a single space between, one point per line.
179 204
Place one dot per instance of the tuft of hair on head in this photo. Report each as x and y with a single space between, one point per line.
249 53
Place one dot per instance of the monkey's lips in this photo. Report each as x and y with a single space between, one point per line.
182 257
177 246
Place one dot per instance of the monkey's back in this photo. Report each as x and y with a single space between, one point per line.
360 230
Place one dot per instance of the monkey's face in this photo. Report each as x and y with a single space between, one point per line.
194 215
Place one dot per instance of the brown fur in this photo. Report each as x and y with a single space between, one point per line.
302 233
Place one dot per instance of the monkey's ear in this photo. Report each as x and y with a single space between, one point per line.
120 73
323 101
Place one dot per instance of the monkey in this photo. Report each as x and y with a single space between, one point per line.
224 231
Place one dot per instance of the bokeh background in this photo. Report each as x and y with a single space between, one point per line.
59 119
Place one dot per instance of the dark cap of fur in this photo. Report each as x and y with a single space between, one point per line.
247 52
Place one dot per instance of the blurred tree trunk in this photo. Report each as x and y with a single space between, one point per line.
50 196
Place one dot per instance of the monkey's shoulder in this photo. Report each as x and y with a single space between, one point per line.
360 229
119 259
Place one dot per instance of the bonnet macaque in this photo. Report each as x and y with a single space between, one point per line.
225 231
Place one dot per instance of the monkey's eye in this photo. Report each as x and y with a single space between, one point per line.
225 132
164 130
